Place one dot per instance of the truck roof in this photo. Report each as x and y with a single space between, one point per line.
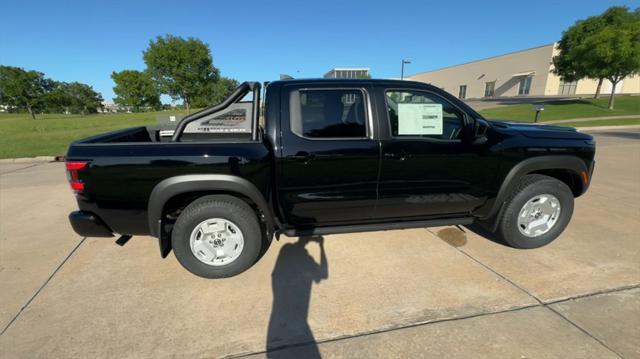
401 84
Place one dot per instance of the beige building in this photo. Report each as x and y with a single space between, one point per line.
520 73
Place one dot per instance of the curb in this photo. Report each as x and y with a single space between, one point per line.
587 119
607 128
37 159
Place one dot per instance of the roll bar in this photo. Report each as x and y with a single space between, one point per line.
237 95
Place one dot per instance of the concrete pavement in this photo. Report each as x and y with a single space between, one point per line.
436 292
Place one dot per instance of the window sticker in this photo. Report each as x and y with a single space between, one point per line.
419 119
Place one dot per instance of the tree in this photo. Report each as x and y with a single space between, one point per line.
135 89
23 89
601 47
75 97
181 68
214 93
571 63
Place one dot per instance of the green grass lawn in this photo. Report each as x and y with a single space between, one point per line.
51 134
568 109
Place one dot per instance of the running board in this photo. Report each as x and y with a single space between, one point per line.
377 227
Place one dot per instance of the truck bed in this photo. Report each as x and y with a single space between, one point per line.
124 166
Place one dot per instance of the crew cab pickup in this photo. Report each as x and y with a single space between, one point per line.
321 157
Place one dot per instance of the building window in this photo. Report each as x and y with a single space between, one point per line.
462 92
567 88
489 88
525 86
328 113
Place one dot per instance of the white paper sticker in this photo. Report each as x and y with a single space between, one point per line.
420 119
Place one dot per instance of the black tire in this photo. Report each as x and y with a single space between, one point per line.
226 207
529 187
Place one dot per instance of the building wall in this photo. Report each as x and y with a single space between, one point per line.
500 69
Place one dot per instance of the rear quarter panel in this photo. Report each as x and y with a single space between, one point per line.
121 176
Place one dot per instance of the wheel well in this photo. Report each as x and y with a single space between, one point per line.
174 206
570 178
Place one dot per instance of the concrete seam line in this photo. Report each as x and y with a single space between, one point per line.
423 323
541 303
43 285
384 330
493 271
20 169
444 320
583 330
592 294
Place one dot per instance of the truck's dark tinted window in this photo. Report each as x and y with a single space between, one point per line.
423 114
328 113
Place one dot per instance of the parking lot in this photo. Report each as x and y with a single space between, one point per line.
437 292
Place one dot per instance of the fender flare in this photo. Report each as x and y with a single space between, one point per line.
570 163
173 186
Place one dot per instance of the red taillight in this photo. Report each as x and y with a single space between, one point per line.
72 174
77 186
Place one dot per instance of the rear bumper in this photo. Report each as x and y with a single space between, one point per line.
88 224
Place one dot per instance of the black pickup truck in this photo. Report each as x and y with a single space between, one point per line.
322 157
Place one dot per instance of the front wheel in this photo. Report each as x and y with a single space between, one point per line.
536 213
216 237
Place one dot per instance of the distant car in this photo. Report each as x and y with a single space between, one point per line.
333 156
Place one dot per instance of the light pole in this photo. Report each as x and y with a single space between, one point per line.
402 68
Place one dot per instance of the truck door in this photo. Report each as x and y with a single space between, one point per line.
329 157
427 167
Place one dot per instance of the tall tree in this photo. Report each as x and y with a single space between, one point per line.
215 92
601 47
183 68
77 97
23 89
135 89
571 63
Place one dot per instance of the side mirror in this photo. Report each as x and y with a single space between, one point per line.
480 127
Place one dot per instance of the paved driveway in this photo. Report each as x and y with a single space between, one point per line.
437 292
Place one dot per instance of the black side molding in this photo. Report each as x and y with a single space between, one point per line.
569 163
173 186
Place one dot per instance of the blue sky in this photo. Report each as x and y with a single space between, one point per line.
258 40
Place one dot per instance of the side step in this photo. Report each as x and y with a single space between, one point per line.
377 226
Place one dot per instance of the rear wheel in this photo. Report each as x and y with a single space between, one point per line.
536 213
216 237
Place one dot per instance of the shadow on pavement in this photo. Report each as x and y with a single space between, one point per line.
479 230
292 278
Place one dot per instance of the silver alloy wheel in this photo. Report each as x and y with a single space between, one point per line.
539 215
216 242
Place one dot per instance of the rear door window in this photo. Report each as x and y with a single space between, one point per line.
328 113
